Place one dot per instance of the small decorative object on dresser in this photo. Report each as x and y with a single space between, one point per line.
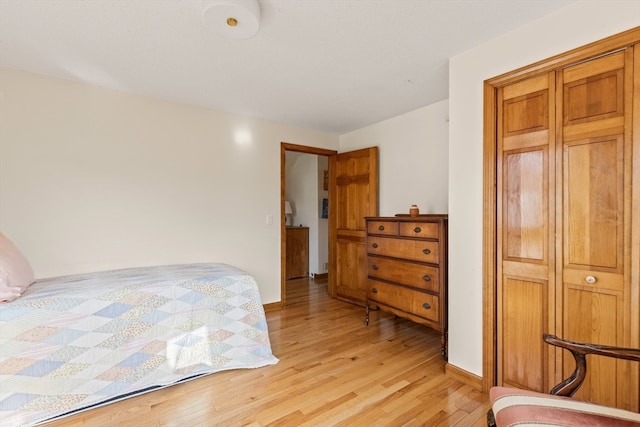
407 269
414 211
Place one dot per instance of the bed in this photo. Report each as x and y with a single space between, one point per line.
71 343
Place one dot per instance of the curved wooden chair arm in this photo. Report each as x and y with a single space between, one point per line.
579 350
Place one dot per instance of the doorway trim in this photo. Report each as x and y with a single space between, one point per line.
284 147
489 229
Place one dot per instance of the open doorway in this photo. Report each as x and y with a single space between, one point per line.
306 215
303 185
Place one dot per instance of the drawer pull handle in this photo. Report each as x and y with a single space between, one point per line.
426 306
426 278
426 251
590 280
381 227
375 267
374 290
417 230
375 245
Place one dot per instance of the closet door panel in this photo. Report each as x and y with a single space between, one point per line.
601 315
594 204
524 321
526 196
595 295
525 205
526 113
594 90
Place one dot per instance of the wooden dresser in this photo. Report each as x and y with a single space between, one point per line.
297 263
407 269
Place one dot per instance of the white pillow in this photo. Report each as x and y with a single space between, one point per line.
15 272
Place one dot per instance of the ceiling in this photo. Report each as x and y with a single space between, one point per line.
328 65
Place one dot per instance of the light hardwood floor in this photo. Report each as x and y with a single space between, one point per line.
333 371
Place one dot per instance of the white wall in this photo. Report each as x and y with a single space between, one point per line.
94 179
413 150
575 25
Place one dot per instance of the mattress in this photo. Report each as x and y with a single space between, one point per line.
75 342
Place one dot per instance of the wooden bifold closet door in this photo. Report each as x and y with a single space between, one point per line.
566 205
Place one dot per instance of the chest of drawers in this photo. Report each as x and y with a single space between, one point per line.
297 260
407 269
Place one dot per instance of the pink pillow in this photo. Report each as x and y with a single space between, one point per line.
15 272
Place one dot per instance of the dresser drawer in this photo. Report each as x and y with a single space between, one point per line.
415 250
427 230
409 300
389 228
406 273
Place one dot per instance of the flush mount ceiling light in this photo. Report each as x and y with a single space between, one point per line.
234 19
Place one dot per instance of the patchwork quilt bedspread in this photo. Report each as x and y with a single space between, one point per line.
75 342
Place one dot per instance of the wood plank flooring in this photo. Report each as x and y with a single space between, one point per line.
333 371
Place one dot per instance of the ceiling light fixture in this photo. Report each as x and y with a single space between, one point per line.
234 19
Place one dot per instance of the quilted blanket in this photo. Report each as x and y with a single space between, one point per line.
75 342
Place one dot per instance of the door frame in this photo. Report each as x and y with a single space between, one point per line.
284 147
489 242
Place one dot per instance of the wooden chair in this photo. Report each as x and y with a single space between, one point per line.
511 406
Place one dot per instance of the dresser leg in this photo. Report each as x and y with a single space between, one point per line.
366 314
367 309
